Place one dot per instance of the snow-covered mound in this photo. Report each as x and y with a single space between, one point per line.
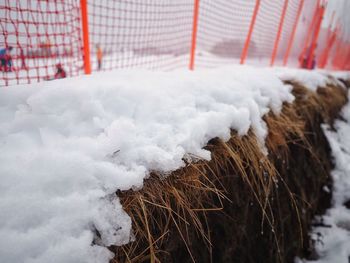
68 145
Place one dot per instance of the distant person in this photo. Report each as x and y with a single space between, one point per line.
45 48
48 47
23 59
6 59
99 54
60 72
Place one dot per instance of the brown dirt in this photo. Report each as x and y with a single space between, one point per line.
242 206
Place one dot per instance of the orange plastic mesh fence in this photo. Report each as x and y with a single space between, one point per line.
41 34
161 35
222 30
140 33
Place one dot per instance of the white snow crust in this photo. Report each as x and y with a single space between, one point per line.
68 145
313 79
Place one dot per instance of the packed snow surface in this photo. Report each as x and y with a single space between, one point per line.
68 145
311 79
333 238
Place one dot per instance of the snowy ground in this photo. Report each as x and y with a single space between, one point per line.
333 239
68 145
40 69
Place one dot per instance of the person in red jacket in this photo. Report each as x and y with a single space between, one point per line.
60 72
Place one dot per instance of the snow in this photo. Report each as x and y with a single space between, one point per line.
68 145
311 79
39 69
334 240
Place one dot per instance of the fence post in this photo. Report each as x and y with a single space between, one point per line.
251 27
314 42
194 34
86 43
347 64
346 56
326 53
322 61
324 57
309 33
335 55
279 31
290 43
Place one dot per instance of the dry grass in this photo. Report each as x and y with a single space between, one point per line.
175 213
180 200
326 102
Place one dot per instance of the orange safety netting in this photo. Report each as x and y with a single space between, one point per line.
42 34
139 33
163 35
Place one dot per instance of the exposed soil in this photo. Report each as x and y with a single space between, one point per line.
242 206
